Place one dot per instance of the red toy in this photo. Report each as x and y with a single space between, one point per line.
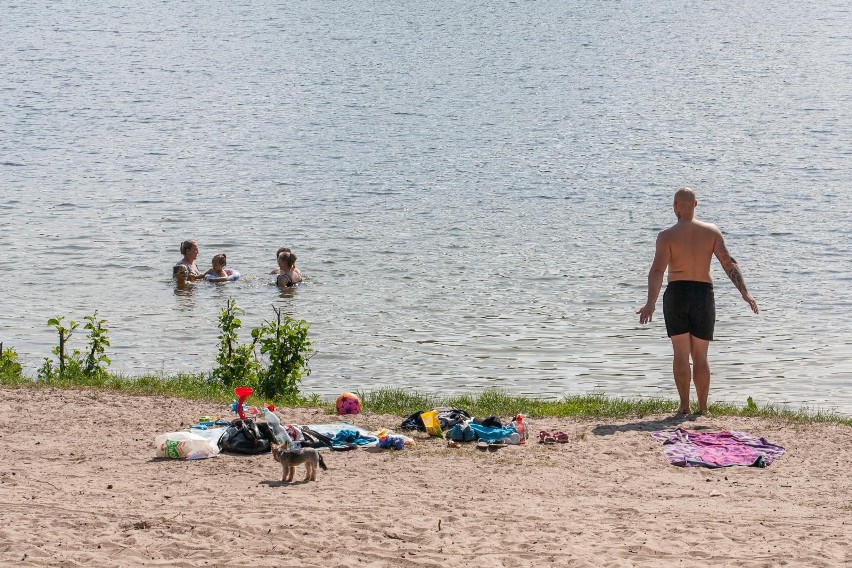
242 394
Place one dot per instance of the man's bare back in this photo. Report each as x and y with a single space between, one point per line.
691 245
686 249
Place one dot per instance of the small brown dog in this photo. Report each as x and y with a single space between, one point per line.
289 459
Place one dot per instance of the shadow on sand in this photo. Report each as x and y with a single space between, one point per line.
667 423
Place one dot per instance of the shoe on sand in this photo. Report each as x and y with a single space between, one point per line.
561 437
545 437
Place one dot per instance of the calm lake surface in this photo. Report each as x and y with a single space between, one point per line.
473 189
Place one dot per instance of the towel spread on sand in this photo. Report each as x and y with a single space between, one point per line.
716 449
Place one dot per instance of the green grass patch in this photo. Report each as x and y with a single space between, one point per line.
404 402
182 385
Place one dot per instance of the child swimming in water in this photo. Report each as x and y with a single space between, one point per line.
288 275
181 274
217 273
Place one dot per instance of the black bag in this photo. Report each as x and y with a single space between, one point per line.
490 422
449 417
414 422
244 437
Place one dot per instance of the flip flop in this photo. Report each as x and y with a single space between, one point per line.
545 437
561 437
482 446
494 446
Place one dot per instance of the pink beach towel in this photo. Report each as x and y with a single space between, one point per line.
716 449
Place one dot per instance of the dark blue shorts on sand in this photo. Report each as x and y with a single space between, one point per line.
689 307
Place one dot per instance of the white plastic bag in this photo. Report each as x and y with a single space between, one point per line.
185 446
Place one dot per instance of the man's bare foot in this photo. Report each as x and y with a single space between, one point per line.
704 412
681 412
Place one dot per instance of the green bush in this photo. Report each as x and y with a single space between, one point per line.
286 346
11 372
283 360
73 367
237 365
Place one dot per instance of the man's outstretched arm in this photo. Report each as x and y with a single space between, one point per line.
655 279
732 269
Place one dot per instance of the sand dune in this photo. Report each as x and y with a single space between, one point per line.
79 487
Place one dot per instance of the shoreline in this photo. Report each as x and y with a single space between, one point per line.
82 487
403 402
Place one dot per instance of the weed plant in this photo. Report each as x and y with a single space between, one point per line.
237 365
74 367
286 346
284 353
11 372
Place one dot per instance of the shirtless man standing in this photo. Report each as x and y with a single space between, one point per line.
686 249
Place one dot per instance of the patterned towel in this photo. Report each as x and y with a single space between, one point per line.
716 449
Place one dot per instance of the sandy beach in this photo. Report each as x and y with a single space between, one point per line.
80 486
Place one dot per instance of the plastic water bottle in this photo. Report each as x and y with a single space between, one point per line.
521 428
278 430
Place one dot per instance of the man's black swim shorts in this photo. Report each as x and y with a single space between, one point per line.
689 307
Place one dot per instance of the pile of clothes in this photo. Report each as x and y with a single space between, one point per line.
459 426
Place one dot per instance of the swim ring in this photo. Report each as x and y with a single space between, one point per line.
232 275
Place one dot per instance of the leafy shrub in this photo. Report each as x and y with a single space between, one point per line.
237 365
283 360
286 346
74 367
10 370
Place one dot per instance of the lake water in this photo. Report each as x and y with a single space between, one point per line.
473 189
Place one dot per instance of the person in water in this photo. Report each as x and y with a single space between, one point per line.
288 274
686 250
189 250
181 275
277 270
217 273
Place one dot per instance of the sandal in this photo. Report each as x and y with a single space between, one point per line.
561 437
545 437
482 446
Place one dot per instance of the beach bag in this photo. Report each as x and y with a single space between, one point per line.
244 437
413 422
185 446
449 417
431 423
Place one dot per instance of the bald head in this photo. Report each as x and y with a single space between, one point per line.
685 195
684 203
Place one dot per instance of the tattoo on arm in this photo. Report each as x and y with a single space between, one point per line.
737 278
732 269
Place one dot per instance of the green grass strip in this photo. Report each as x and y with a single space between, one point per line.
404 402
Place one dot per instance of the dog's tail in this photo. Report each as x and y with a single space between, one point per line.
321 462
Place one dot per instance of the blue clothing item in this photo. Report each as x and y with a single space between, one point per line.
461 432
491 433
395 442
352 437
